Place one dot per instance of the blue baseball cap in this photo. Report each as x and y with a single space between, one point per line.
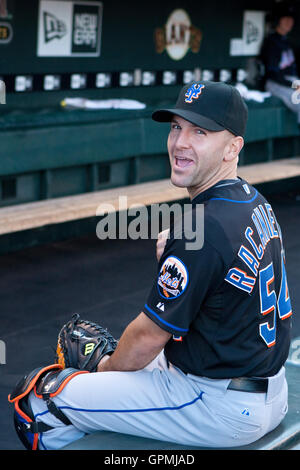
214 106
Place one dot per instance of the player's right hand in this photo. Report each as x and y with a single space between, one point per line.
161 243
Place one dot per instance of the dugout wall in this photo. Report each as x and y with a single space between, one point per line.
53 49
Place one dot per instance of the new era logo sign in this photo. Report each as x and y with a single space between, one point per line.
69 28
53 27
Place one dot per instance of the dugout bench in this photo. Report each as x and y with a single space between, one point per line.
57 166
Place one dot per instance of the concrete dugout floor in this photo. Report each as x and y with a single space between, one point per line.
106 281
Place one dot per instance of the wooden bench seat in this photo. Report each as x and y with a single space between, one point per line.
58 210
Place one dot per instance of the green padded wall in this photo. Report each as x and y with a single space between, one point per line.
47 151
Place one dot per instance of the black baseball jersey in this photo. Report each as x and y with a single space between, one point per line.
225 300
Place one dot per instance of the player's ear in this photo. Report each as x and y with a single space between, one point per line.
233 148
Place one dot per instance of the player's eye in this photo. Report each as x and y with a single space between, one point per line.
200 131
175 126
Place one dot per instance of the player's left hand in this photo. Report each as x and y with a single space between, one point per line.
82 344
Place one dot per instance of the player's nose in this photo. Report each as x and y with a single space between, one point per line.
183 139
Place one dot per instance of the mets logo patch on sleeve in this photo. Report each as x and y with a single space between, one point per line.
172 278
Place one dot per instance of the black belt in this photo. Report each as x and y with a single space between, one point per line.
245 384
249 384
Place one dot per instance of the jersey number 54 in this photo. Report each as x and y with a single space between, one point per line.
270 303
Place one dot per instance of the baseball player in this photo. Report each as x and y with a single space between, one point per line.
203 363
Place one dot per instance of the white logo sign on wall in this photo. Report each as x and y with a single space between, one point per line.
69 28
253 33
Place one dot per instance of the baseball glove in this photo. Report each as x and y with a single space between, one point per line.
82 344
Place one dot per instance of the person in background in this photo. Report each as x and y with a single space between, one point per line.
277 55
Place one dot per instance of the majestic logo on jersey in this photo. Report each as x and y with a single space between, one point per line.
173 278
193 93
161 306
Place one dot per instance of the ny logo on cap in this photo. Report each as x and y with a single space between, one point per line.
193 92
